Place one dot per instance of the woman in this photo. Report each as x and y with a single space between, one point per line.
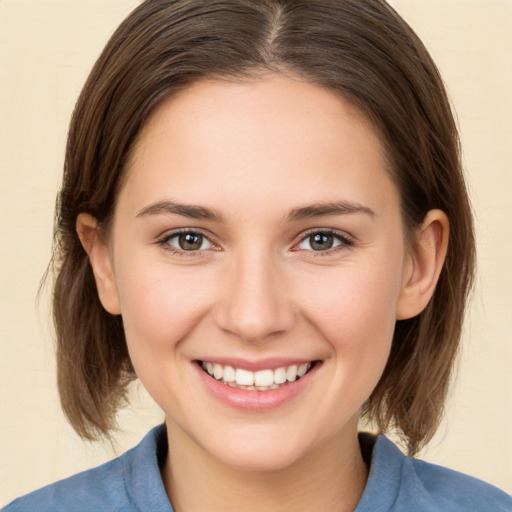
263 218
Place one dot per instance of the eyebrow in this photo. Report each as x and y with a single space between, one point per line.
300 213
329 208
185 210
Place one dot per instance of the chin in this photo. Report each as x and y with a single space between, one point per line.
260 451
260 459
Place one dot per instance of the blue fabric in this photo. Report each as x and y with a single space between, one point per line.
132 483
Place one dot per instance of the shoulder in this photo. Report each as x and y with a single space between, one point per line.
100 488
400 484
456 491
111 487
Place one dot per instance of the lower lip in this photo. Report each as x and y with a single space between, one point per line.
255 400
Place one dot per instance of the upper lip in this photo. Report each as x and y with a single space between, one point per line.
255 365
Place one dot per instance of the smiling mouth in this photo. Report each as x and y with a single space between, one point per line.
261 380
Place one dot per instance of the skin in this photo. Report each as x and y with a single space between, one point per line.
254 152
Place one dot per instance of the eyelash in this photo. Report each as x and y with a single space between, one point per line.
164 242
345 242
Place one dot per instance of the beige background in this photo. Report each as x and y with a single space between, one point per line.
46 50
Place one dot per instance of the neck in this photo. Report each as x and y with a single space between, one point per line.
331 477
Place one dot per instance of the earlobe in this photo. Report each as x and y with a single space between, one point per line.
424 265
99 257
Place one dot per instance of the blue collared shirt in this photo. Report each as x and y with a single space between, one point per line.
132 483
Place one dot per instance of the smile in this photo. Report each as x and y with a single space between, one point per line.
261 380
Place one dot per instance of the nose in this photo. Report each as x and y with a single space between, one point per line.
256 302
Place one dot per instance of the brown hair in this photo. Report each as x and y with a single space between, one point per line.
359 48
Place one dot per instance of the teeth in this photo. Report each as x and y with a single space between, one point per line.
228 374
217 371
302 369
262 380
280 375
291 373
243 377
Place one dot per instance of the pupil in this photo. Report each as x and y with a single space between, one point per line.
190 241
321 241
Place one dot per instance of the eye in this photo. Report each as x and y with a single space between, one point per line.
188 241
321 241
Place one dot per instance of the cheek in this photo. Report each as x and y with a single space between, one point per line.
355 311
160 307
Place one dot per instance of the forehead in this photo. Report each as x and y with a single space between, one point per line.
261 137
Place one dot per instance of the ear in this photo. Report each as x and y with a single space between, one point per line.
424 264
99 257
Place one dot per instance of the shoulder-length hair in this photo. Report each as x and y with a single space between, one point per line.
362 50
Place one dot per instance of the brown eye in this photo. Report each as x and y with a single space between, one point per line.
188 241
321 241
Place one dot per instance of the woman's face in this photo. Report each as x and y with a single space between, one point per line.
258 235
